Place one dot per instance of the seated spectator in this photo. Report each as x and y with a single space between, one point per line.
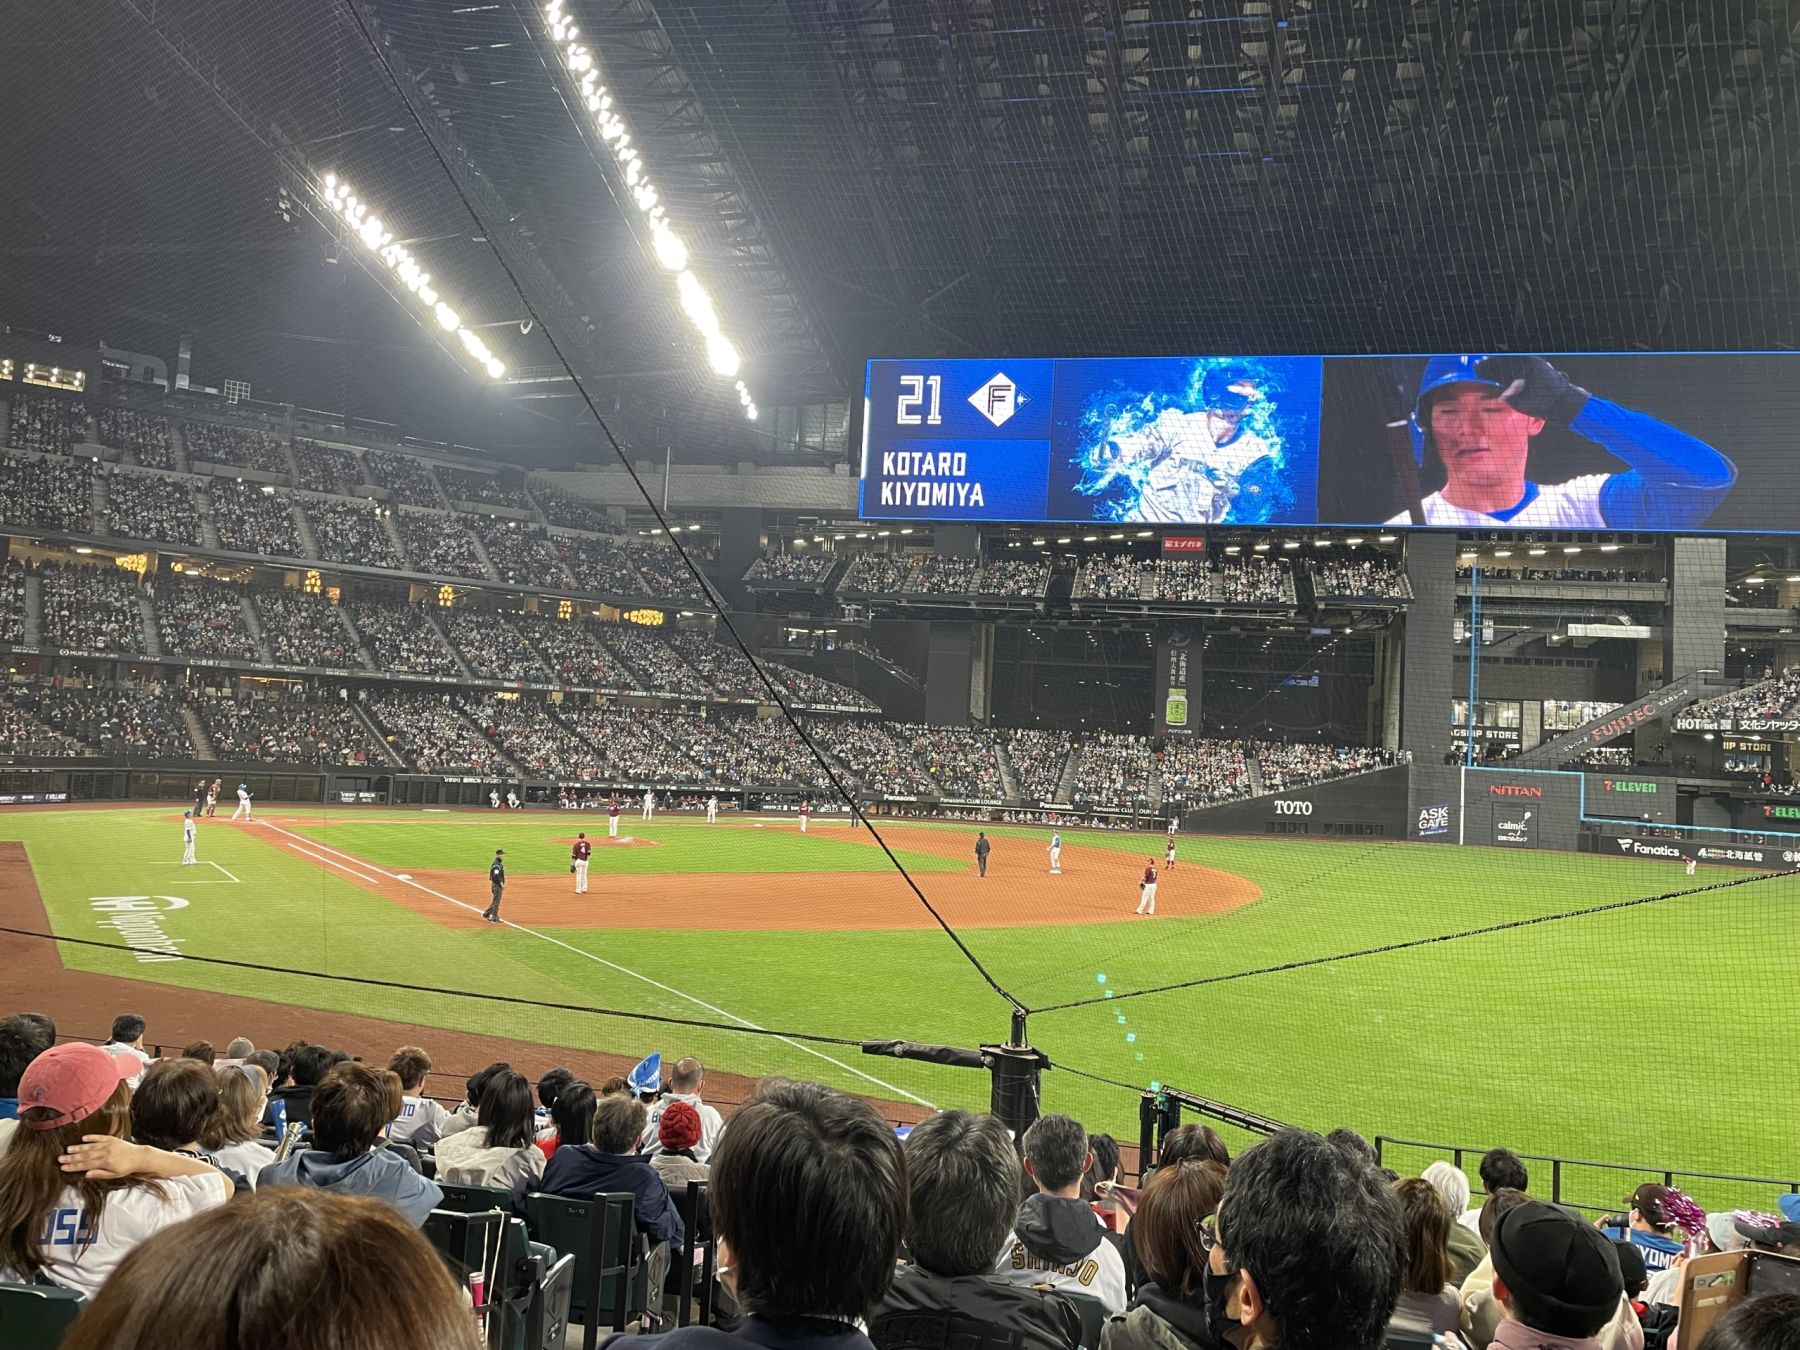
808 1199
1466 1246
237 1050
499 1150
352 1106
571 1118
1057 1239
1311 1242
303 1270
1500 1170
1556 1279
127 1041
1105 1171
306 1067
23 1037
200 1050
233 1134
175 1106
1765 1322
608 1163
407 478
70 1223
421 1121
1650 1226
685 1082
678 1136
548 1087
1169 1238
963 1184
1429 1302
1193 1140
1478 1290
463 1114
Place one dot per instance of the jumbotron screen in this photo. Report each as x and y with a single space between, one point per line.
1583 441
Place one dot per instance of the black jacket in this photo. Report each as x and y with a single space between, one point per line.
497 873
764 1333
1157 1320
581 1171
926 1310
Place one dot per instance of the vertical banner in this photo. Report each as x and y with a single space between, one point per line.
1177 681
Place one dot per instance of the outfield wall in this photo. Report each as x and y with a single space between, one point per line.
1364 806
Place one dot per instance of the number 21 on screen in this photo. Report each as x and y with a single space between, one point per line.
912 394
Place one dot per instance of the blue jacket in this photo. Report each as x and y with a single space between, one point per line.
380 1173
768 1333
581 1171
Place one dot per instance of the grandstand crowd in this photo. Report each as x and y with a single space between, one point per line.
218 1190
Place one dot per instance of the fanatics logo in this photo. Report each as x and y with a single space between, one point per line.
998 399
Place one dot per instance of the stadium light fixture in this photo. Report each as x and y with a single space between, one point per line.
1572 548
1537 552
1609 548
1503 553
375 238
1065 540
1145 534
1291 544
1263 547
666 245
1386 538
1354 540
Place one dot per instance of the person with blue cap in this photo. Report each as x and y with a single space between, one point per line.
243 806
1477 416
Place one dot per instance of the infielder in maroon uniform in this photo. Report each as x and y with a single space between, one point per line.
578 862
1147 889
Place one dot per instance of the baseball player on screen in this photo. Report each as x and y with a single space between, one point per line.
187 839
1190 467
578 862
1478 414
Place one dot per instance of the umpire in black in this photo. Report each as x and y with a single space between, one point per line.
497 879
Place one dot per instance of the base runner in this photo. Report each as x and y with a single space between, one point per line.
578 862
1147 889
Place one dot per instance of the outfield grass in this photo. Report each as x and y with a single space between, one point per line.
1638 1034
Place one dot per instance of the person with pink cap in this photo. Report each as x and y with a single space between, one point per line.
75 1194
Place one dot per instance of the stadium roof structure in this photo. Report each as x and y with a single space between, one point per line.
858 178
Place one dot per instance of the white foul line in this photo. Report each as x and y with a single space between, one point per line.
332 862
614 965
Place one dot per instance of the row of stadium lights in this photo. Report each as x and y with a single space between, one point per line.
670 252
1468 554
366 226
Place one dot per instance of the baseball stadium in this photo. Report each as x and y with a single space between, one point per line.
1152 569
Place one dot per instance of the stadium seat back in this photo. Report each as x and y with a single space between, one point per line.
494 1243
601 1234
475 1199
37 1315
1093 1316
547 1319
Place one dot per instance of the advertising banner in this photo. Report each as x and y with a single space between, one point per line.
1513 809
1367 806
1177 682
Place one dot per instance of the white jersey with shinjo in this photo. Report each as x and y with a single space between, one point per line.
1574 505
79 1253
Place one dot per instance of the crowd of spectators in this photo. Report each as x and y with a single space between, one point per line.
1254 581
431 733
804 689
437 543
1361 578
49 423
600 564
1197 772
572 654
1038 760
12 601
640 745
493 648
1114 772
768 750
1772 697
1610 757
658 666
401 638
935 575
565 509
666 575
1464 571
352 530
407 478
92 609
48 493
878 574
534 740
776 570
22 735
721 664
326 468
486 489
963 761
877 758
287 730
1186 581
151 507
144 437
119 723
254 518
200 618
1180 581
239 447
305 630
1112 577
522 554
1289 766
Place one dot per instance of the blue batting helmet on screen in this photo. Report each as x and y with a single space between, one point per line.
1444 372
1219 388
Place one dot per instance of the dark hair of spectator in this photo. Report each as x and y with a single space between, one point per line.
1494 1206
1193 1140
505 1111
126 1028
1502 1170
1767 1322
618 1121
963 1188
410 1064
229 1277
1427 1236
200 1050
573 1113
809 1191
1056 1146
551 1084
309 1065
31 1181
174 1104
1319 1230
1105 1164
266 1060
478 1081
351 1107
243 1088
1166 1230
615 1087
1346 1138
22 1039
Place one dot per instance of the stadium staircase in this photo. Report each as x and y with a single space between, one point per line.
197 734
356 638
253 625
1259 786
1065 786
1009 779
1658 703
393 532
209 532
34 610
309 542
481 556
97 503
152 636
444 637
388 753
5 421
178 442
